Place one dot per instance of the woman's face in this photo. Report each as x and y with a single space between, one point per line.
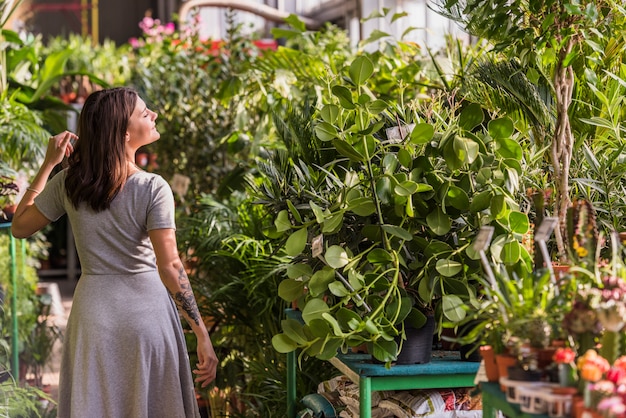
141 126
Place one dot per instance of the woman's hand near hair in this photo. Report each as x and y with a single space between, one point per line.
27 219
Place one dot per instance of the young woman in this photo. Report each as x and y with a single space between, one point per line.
124 352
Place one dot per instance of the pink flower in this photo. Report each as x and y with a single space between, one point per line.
564 355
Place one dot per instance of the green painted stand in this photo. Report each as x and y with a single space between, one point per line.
15 365
444 371
494 400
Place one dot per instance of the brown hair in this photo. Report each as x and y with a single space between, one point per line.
97 167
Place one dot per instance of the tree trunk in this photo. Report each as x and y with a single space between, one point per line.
562 147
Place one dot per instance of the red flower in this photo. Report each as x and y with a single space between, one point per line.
564 355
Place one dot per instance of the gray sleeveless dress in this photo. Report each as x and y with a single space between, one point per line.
124 352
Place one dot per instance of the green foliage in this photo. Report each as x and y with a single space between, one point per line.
25 401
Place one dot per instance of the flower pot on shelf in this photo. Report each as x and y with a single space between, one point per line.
417 349
489 358
504 361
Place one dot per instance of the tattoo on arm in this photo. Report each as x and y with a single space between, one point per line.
185 301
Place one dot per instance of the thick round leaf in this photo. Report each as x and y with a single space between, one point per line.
471 116
518 222
448 268
329 113
422 133
509 148
360 70
297 271
406 188
390 163
314 309
336 257
293 329
283 344
466 150
500 128
498 207
362 206
282 221
481 201
320 280
397 232
511 252
453 308
377 106
338 289
347 316
345 97
385 351
405 158
457 198
296 242
332 223
438 222
366 146
348 150
325 131
290 289
378 255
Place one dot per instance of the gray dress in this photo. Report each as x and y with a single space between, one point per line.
124 352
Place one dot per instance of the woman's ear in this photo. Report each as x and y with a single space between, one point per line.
127 136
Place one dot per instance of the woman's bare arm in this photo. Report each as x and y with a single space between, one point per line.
175 279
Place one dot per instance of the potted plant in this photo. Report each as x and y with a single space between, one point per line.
388 237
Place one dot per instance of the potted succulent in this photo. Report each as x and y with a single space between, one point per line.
388 238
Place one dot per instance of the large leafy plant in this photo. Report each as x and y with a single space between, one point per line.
388 238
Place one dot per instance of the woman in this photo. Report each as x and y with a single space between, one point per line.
124 351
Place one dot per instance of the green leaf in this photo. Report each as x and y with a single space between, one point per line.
518 222
332 223
362 206
336 257
338 289
448 268
471 116
453 308
290 289
325 131
329 113
379 256
497 207
282 221
360 70
481 201
294 211
406 188
438 222
293 329
294 21
344 95
348 150
283 344
296 243
500 128
314 309
385 351
377 106
457 198
422 133
397 231
511 252
466 150
509 148
317 211
299 270
320 280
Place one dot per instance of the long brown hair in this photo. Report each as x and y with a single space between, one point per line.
98 168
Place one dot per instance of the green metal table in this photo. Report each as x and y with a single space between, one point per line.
445 370
494 400
13 274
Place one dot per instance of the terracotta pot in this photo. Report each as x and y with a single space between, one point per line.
504 361
491 367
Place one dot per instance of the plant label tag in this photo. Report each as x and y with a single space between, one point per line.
545 229
180 184
483 239
317 245
399 133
